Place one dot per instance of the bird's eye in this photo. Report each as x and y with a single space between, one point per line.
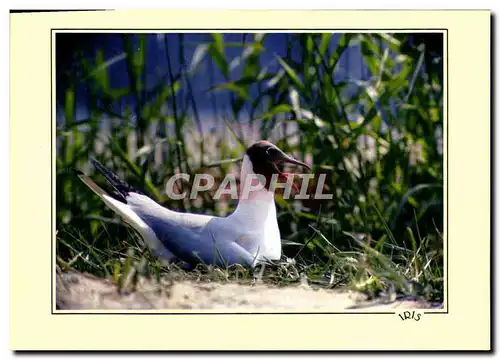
271 151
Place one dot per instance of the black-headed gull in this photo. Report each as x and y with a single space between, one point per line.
246 236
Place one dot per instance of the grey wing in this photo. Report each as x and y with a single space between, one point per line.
194 244
145 206
187 236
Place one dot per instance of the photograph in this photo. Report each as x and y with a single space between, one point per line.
249 171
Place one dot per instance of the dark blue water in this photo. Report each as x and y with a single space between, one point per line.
173 53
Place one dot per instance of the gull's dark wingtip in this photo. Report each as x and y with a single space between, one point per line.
122 188
94 161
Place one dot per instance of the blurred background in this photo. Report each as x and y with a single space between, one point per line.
366 109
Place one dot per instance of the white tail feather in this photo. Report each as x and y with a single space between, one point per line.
130 217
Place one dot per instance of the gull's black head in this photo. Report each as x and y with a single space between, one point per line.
265 156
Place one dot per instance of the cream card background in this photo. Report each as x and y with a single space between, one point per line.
465 326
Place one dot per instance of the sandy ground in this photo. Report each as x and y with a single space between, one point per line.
76 291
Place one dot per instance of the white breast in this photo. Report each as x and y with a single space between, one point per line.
254 222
